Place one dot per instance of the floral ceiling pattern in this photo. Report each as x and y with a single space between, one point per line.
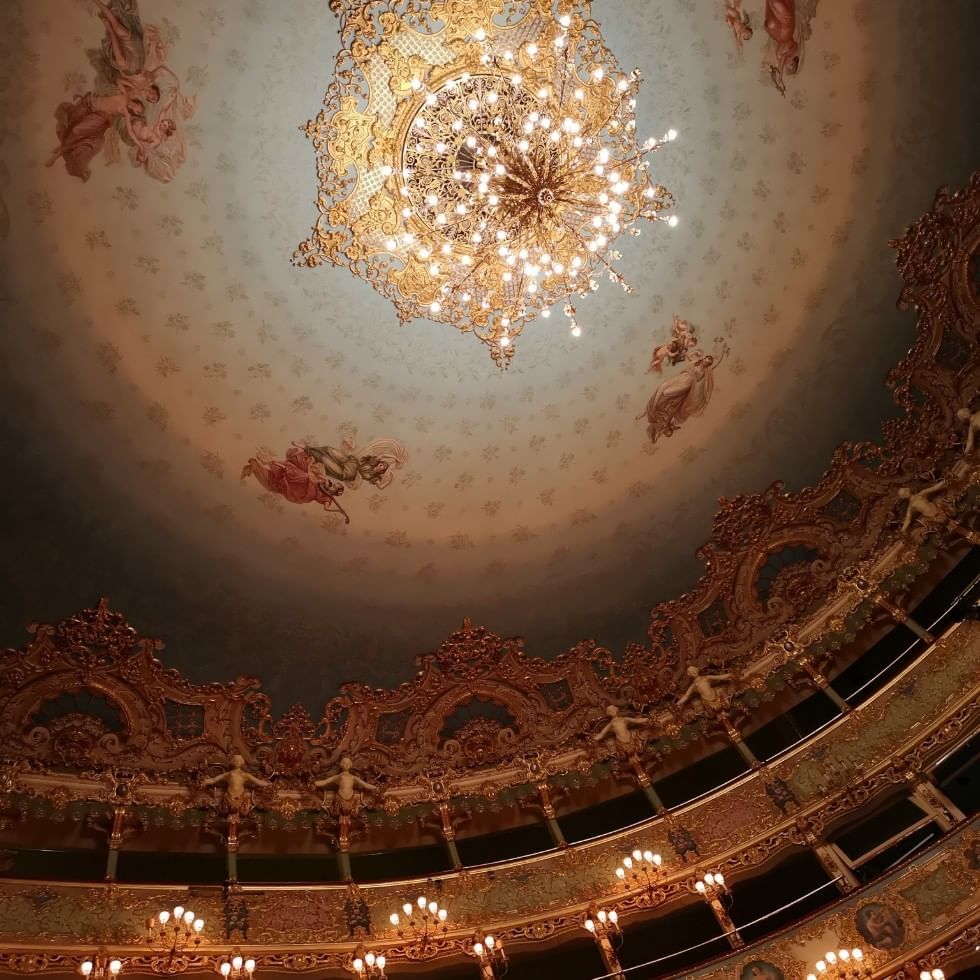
158 340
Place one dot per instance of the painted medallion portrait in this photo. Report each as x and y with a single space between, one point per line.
880 925
760 970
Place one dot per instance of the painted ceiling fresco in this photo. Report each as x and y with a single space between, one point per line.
262 467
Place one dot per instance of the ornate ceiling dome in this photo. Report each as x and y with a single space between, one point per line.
160 344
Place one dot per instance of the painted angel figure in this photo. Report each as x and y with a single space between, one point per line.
375 463
787 23
738 21
300 478
129 102
682 397
675 350
321 474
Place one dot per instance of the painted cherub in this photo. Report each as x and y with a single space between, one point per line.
738 20
621 726
704 687
236 780
972 420
348 783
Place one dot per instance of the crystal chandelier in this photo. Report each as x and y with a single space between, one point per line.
478 160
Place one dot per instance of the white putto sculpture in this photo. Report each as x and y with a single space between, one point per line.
347 797
621 726
972 428
705 688
236 780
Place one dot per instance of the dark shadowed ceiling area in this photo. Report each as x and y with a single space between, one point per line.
156 336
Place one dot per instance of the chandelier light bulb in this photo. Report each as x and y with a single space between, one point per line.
115 966
381 962
614 917
576 331
478 949
393 918
857 953
421 902
590 925
620 872
86 967
188 917
164 918
358 964
491 942
249 965
442 915
225 968
369 959
237 962
699 886
198 925
407 908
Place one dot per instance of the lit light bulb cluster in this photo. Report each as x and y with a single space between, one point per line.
712 883
172 932
100 967
848 964
934 974
639 868
369 965
422 920
515 179
602 924
237 967
489 951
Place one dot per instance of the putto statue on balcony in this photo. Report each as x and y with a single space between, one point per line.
236 780
922 506
347 800
972 420
622 728
705 687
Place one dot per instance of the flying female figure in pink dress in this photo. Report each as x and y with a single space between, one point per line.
321 474
128 103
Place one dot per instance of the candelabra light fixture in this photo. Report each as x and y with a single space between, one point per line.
476 170
488 951
639 869
849 964
100 967
368 964
712 884
174 932
237 967
420 921
603 925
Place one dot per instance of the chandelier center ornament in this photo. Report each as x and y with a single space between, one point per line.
478 167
